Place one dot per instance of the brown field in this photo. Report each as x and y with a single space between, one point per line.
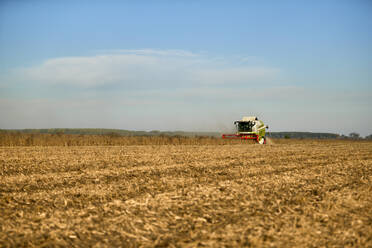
187 193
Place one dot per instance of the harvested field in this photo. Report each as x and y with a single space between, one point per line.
290 193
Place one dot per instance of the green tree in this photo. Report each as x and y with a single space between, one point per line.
369 137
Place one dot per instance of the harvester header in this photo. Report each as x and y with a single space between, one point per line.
249 128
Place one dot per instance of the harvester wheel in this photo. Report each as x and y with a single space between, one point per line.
262 140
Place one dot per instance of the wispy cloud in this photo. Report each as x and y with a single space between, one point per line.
144 68
151 52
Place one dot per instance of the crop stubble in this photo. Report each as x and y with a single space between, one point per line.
304 193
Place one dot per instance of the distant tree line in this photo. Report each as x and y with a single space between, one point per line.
110 132
310 135
369 137
302 135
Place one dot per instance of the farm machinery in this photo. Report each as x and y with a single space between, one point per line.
249 128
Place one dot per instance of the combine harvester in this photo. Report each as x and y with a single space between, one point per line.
249 128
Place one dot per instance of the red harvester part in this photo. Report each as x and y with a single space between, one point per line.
241 136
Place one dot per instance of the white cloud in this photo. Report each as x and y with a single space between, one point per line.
145 68
152 52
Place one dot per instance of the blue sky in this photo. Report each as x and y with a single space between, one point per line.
186 65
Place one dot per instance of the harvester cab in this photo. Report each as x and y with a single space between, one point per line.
249 128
